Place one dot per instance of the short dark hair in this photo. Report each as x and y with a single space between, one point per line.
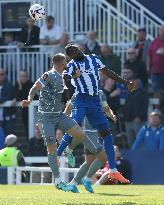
50 18
58 58
69 48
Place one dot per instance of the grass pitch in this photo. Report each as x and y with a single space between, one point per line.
109 195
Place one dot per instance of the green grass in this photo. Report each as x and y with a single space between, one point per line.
110 195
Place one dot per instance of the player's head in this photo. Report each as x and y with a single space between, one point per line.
74 52
59 62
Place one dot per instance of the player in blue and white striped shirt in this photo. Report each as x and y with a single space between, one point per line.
87 100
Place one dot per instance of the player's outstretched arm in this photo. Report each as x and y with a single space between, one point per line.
111 74
36 87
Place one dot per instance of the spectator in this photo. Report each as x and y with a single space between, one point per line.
138 67
50 34
156 62
22 88
29 35
109 59
142 45
122 165
111 97
36 145
6 113
149 135
122 90
59 135
9 41
113 102
60 48
11 156
92 46
2 138
135 111
82 47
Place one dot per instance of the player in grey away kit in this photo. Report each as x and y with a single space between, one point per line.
50 115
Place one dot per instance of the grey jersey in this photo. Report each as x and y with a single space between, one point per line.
50 99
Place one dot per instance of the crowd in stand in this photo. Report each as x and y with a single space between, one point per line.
144 65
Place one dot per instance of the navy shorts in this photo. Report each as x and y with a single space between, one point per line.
90 106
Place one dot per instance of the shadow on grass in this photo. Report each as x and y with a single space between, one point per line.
126 203
108 194
85 203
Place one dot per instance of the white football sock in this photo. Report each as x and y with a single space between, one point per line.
58 180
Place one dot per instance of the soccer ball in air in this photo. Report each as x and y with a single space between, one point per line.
37 12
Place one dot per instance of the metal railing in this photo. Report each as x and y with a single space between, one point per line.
37 62
42 170
112 25
140 16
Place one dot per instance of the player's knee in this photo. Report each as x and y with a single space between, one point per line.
51 148
82 135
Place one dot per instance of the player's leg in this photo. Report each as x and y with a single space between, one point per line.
75 131
82 172
97 163
91 163
48 131
99 121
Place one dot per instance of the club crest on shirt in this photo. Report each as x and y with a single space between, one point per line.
45 76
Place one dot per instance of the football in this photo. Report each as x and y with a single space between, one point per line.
37 12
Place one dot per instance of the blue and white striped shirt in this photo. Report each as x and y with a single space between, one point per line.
88 82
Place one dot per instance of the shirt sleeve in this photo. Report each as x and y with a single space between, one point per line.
45 79
99 63
139 139
70 69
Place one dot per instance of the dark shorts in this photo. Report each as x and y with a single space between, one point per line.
92 146
49 122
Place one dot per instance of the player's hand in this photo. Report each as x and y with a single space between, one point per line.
25 103
77 74
131 86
